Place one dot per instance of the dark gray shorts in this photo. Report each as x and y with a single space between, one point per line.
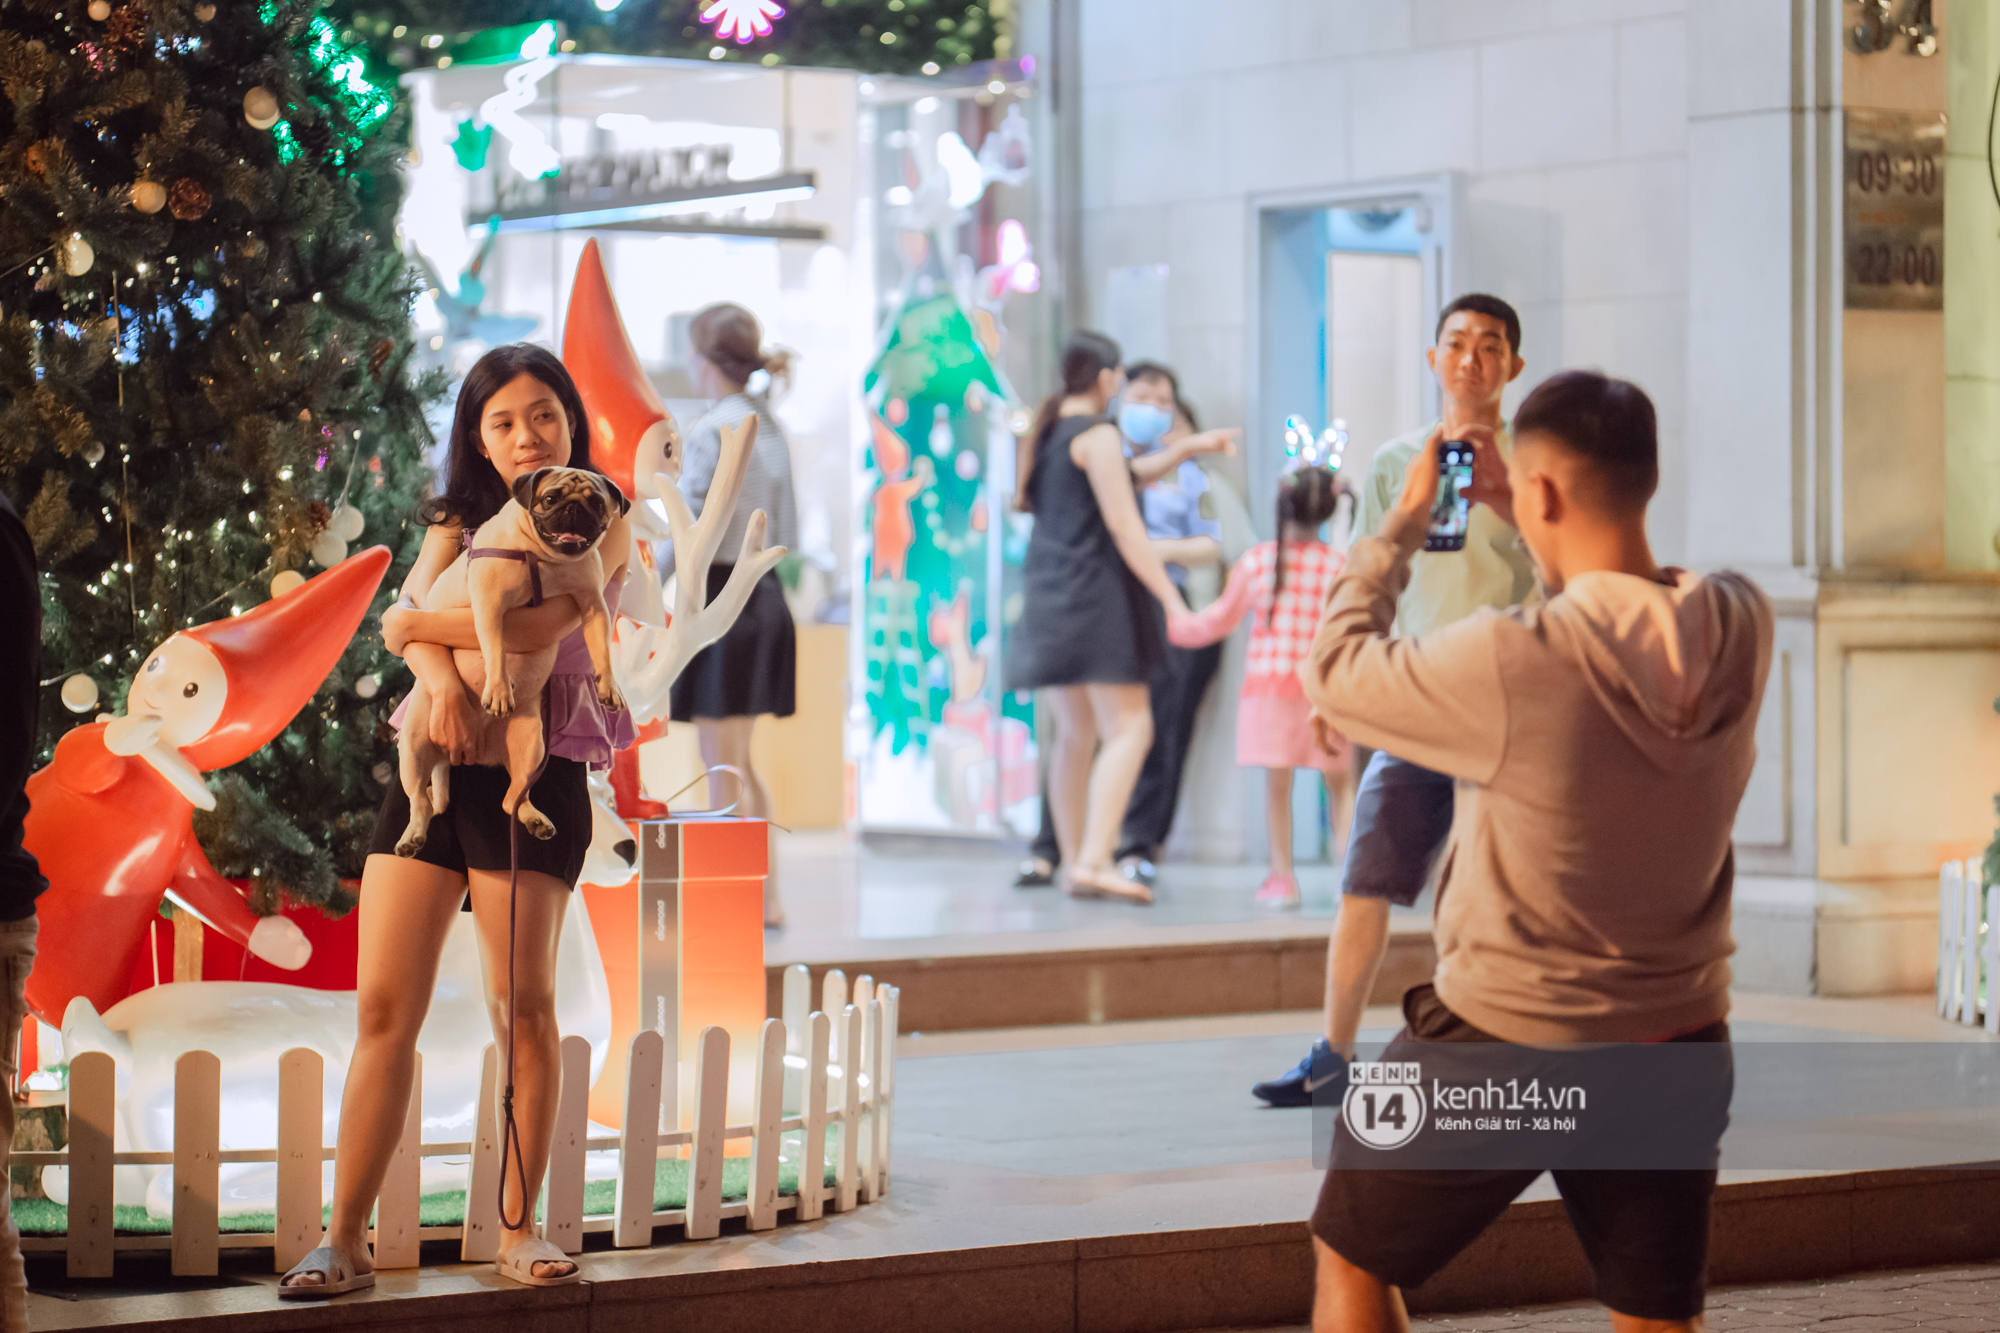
1402 816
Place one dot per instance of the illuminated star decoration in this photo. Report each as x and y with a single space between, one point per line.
743 19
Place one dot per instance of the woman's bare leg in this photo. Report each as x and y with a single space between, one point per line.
538 922
1124 717
1069 768
1278 817
726 740
406 911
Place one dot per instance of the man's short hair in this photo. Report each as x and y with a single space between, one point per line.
1153 370
1609 423
1479 303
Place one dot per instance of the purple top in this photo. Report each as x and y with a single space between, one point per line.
579 728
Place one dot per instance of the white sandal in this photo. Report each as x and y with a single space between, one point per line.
337 1270
518 1264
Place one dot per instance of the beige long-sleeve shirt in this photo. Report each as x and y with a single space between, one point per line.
1601 742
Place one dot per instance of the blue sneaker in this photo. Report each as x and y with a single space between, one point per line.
1318 1080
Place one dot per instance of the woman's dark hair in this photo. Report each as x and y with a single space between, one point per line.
1085 356
1307 496
473 491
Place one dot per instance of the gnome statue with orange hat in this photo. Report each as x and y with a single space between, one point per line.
111 819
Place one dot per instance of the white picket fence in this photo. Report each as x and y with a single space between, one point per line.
1968 963
812 1071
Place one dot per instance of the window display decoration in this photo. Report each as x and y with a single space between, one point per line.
743 19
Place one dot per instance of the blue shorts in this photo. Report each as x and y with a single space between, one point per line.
1402 816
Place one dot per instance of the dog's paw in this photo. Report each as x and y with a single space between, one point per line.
411 844
498 698
609 697
538 824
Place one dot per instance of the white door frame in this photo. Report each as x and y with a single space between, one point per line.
1440 201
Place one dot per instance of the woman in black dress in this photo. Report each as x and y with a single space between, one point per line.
752 670
1086 633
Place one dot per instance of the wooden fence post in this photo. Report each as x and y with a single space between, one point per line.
795 1009
1951 884
845 1184
869 1071
398 1208
197 1182
812 1139
93 1111
711 1118
301 1156
562 1224
1992 892
639 1153
768 1107
893 1025
1973 899
480 1242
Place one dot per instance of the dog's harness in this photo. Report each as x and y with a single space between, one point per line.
525 557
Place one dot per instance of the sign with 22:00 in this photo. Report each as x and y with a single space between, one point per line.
1894 211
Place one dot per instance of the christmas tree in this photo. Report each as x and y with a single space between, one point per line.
204 383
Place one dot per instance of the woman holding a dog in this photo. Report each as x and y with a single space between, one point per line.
518 411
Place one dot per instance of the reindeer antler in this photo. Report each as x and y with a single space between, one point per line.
646 661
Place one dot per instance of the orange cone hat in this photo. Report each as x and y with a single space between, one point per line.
277 655
624 409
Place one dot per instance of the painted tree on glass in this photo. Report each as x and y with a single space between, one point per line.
204 384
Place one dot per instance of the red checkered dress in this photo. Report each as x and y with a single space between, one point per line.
1273 719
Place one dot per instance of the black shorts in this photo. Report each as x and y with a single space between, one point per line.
1645 1233
473 831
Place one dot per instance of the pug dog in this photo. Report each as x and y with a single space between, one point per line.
542 544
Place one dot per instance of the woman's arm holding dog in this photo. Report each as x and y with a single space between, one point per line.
527 629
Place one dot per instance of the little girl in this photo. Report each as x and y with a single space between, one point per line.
1286 583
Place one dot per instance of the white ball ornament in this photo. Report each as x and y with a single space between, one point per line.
347 522
100 9
260 108
367 687
288 580
79 693
77 256
328 549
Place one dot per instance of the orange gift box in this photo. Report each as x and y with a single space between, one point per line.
683 948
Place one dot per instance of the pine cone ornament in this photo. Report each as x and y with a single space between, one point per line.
318 516
189 199
378 357
34 161
125 31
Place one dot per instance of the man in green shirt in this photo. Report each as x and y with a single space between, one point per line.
1402 813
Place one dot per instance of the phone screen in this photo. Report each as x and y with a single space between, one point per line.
1451 512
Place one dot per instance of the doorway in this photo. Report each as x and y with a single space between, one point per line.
1349 281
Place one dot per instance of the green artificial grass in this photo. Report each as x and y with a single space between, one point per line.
41 1217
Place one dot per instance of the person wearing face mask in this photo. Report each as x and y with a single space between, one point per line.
1157 425
753 669
1161 440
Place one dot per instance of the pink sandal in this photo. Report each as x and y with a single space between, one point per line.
1279 891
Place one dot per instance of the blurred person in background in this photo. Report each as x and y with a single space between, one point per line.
751 671
1163 440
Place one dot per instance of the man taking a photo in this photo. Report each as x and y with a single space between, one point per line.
1402 811
1600 743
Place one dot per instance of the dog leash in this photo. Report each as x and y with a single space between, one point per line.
510 1133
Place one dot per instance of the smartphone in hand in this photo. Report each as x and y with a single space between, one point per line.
1451 512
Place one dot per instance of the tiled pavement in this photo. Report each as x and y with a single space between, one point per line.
1962 1300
